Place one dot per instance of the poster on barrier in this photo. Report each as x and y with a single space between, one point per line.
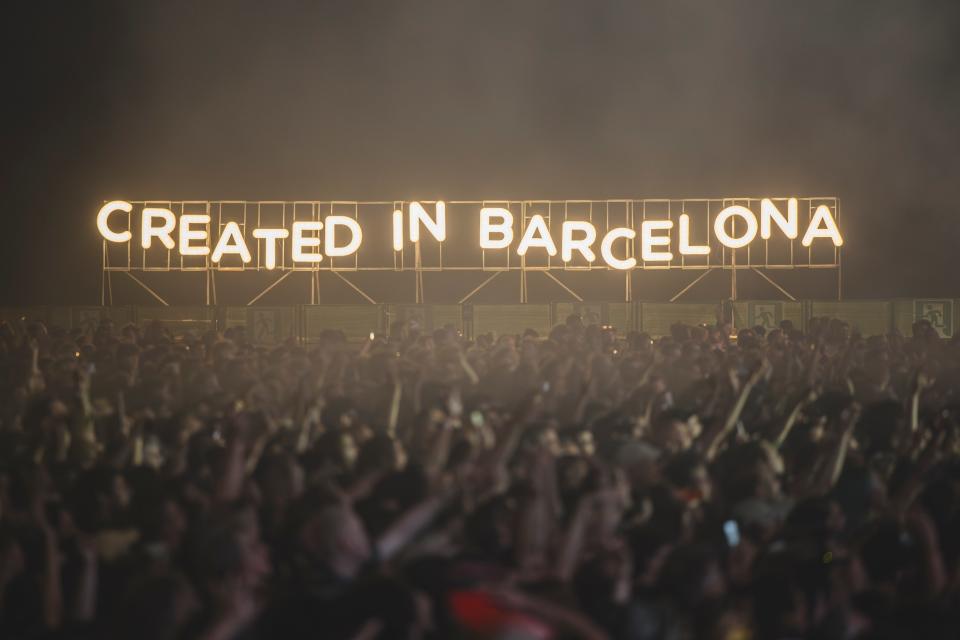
415 316
765 314
354 321
266 326
89 318
589 312
177 320
939 313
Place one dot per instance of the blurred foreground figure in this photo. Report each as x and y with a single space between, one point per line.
584 485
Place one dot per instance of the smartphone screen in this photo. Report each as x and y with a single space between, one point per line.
732 532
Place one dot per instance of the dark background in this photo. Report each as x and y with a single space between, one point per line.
415 99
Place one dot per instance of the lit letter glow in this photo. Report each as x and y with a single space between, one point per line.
648 241
606 248
568 243
769 211
719 227
418 216
685 247
188 235
537 235
329 234
397 230
231 242
148 231
270 237
504 227
822 216
104 215
301 242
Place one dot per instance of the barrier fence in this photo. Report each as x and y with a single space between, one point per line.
305 323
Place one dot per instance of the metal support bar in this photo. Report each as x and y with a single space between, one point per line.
478 287
565 287
275 283
839 281
418 274
148 289
690 286
778 287
106 278
355 287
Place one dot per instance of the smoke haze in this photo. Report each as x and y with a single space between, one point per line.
461 100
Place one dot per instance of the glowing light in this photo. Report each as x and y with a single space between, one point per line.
504 227
648 241
148 231
231 242
719 227
419 216
568 243
606 248
537 235
769 211
301 242
822 216
686 248
734 227
188 235
104 215
356 236
270 238
397 230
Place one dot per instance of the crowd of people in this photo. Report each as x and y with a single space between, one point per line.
713 483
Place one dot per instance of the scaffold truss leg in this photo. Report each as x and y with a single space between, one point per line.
269 287
691 285
565 287
478 287
777 286
355 288
147 289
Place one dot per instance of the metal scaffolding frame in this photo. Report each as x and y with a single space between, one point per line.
761 256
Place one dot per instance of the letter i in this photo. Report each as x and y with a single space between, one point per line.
397 230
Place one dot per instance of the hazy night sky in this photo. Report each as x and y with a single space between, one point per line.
247 99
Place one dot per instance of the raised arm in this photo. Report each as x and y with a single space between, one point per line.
794 415
403 530
733 416
828 468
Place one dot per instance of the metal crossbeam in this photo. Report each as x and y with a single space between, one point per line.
264 292
356 288
565 287
778 287
690 286
478 287
148 289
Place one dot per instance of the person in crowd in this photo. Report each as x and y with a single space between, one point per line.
766 484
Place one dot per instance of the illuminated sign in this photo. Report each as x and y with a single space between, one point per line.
604 234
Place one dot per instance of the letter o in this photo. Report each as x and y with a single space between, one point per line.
720 231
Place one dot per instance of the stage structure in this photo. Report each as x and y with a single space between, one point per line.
542 237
